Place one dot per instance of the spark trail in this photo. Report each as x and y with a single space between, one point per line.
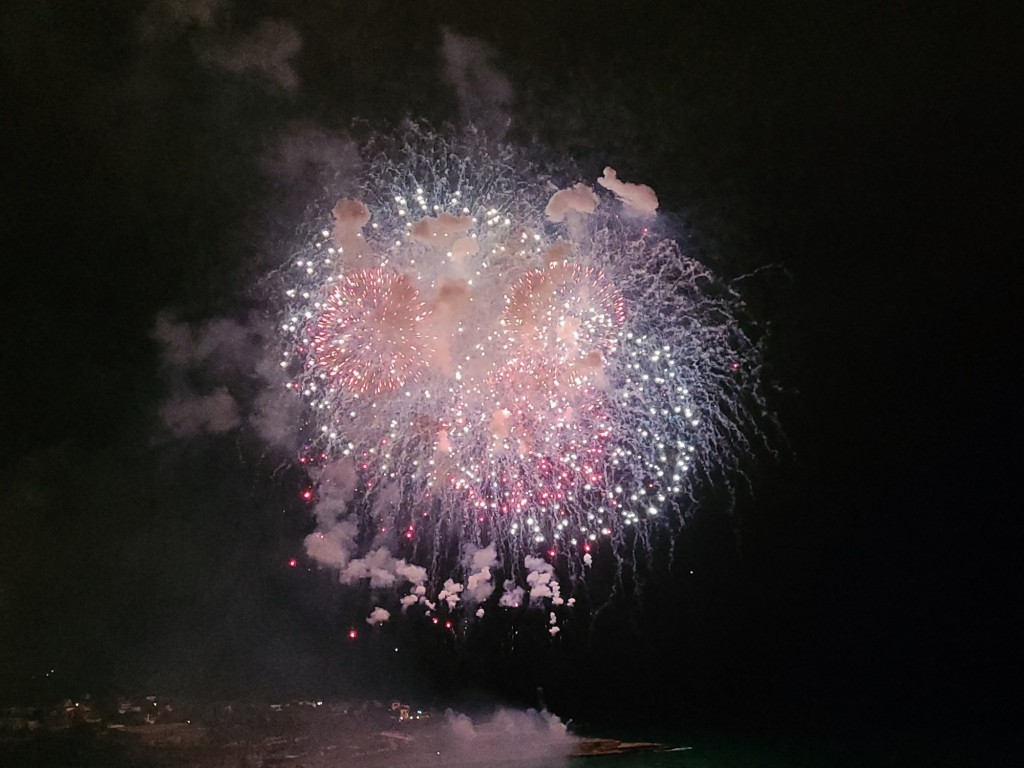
500 374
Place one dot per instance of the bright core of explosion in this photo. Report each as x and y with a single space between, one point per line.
500 374
366 337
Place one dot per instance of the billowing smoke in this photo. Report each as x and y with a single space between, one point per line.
527 734
637 198
525 738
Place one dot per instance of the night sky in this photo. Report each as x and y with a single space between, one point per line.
861 159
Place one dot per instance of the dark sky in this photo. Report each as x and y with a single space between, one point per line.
866 153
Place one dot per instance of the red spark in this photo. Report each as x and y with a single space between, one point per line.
366 338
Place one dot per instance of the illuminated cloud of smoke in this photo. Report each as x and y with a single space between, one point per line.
638 198
450 593
578 199
381 570
333 544
529 735
512 596
540 579
480 579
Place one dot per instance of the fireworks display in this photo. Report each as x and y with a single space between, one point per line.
366 338
501 373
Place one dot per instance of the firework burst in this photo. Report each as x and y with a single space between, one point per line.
499 372
366 336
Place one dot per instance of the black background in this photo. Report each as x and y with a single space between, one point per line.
867 153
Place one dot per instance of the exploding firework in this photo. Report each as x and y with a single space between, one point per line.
500 374
366 337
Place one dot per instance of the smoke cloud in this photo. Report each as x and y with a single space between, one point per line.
480 581
540 578
379 567
268 50
484 94
565 202
638 199
378 616
531 736
333 545
191 414
296 158
248 384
